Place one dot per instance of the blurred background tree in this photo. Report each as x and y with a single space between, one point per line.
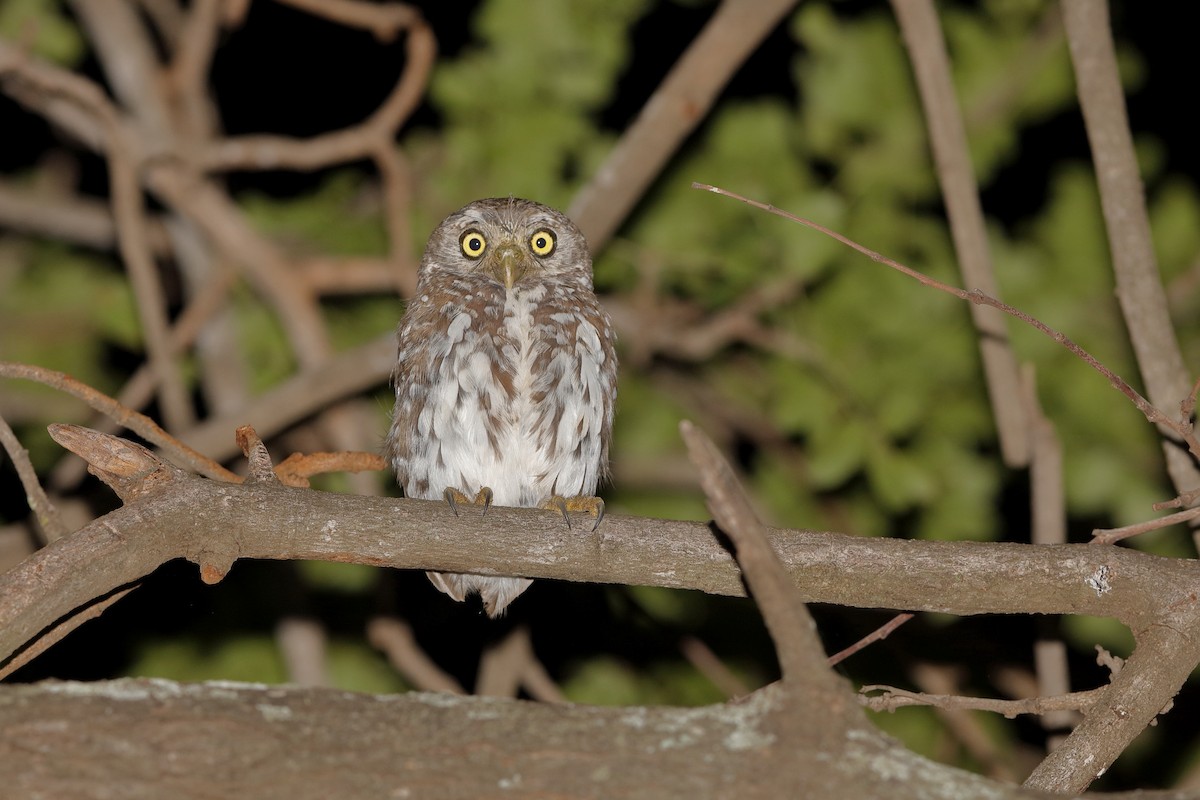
850 397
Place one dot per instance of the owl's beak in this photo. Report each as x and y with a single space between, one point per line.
509 263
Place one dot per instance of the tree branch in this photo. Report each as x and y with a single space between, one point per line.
180 515
1122 197
672 112
948 139
1181 428
801 656
279 743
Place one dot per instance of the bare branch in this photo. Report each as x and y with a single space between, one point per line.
892 698
383 20
48 519
700 656
1184 431
288 742
296 469
59 631
300 396
931 65
395 638
260 152
672 112
140 424
1114 535
207 521
1122 197
791 627
302 642
877 635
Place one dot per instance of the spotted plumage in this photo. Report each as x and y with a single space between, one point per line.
506 373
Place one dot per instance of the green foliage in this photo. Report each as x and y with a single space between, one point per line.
355 666
63 309
264 346
610 682
338 577
43 27
1088 632
256 658
517 104
332 219
243 657
59 308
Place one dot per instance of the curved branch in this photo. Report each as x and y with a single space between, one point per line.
214 523
140 424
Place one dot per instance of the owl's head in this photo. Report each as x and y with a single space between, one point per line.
509 242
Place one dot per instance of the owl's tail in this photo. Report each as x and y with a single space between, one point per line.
496 593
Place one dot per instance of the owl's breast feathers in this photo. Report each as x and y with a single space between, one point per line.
513 390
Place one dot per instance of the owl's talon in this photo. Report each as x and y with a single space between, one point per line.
482 498
560 503
452 497
585 503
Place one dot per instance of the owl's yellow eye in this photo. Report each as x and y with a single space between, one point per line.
543 242
472 243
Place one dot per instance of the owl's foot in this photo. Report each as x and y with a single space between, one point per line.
586 503
482 498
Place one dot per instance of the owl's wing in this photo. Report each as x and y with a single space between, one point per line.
409 378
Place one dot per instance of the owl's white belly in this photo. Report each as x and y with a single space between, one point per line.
528 444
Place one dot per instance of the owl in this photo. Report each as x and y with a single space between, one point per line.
506 375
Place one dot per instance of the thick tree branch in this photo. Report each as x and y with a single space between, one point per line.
214 523
226 740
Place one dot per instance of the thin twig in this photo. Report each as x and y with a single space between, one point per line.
1184 500
303 643
299 396
140 424
56 634
701 656
49 522
893 698
538 683
138 390
197 43
263 151
383 20
878 635
129 214
296 469
965 725
503 663
1048 522
1113 535
1151 413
